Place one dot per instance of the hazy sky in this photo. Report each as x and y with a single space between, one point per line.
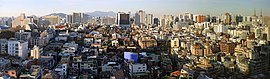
156 7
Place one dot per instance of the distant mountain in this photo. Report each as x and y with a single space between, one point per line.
95 13
100 13
62 15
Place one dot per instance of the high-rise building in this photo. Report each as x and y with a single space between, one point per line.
200 18
227 19
69 18
77 18
187 17
149 19
19 21
142 16
123 19
137 19
156 21
36 52
18 48
84 18
52 20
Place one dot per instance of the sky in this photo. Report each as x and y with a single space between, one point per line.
156 7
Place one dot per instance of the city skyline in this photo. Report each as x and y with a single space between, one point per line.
156 7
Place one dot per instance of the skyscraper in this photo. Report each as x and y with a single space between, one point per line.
149 19
137 19
123 19
156 21
227 19
76 18
69 18
142 16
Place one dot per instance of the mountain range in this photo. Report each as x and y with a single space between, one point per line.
95 13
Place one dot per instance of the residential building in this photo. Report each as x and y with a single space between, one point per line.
3 46
18 48
77 18
36 52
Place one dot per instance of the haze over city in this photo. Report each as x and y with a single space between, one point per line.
157 7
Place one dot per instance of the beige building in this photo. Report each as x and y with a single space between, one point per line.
52 20
35 52
19 21
197 49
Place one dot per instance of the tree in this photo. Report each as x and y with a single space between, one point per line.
6 34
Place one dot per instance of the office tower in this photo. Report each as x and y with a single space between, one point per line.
18 48
36 52
19 21
149 19
227 19
156 21
52 20
84 18
137 19
69 18
142 16
123 19
76 18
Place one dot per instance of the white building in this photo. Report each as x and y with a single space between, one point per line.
137 68
88 41
18 48
110 66
221 28
61 69
115 43
149 19
36 51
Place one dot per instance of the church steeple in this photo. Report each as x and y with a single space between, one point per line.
261 13
254 12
